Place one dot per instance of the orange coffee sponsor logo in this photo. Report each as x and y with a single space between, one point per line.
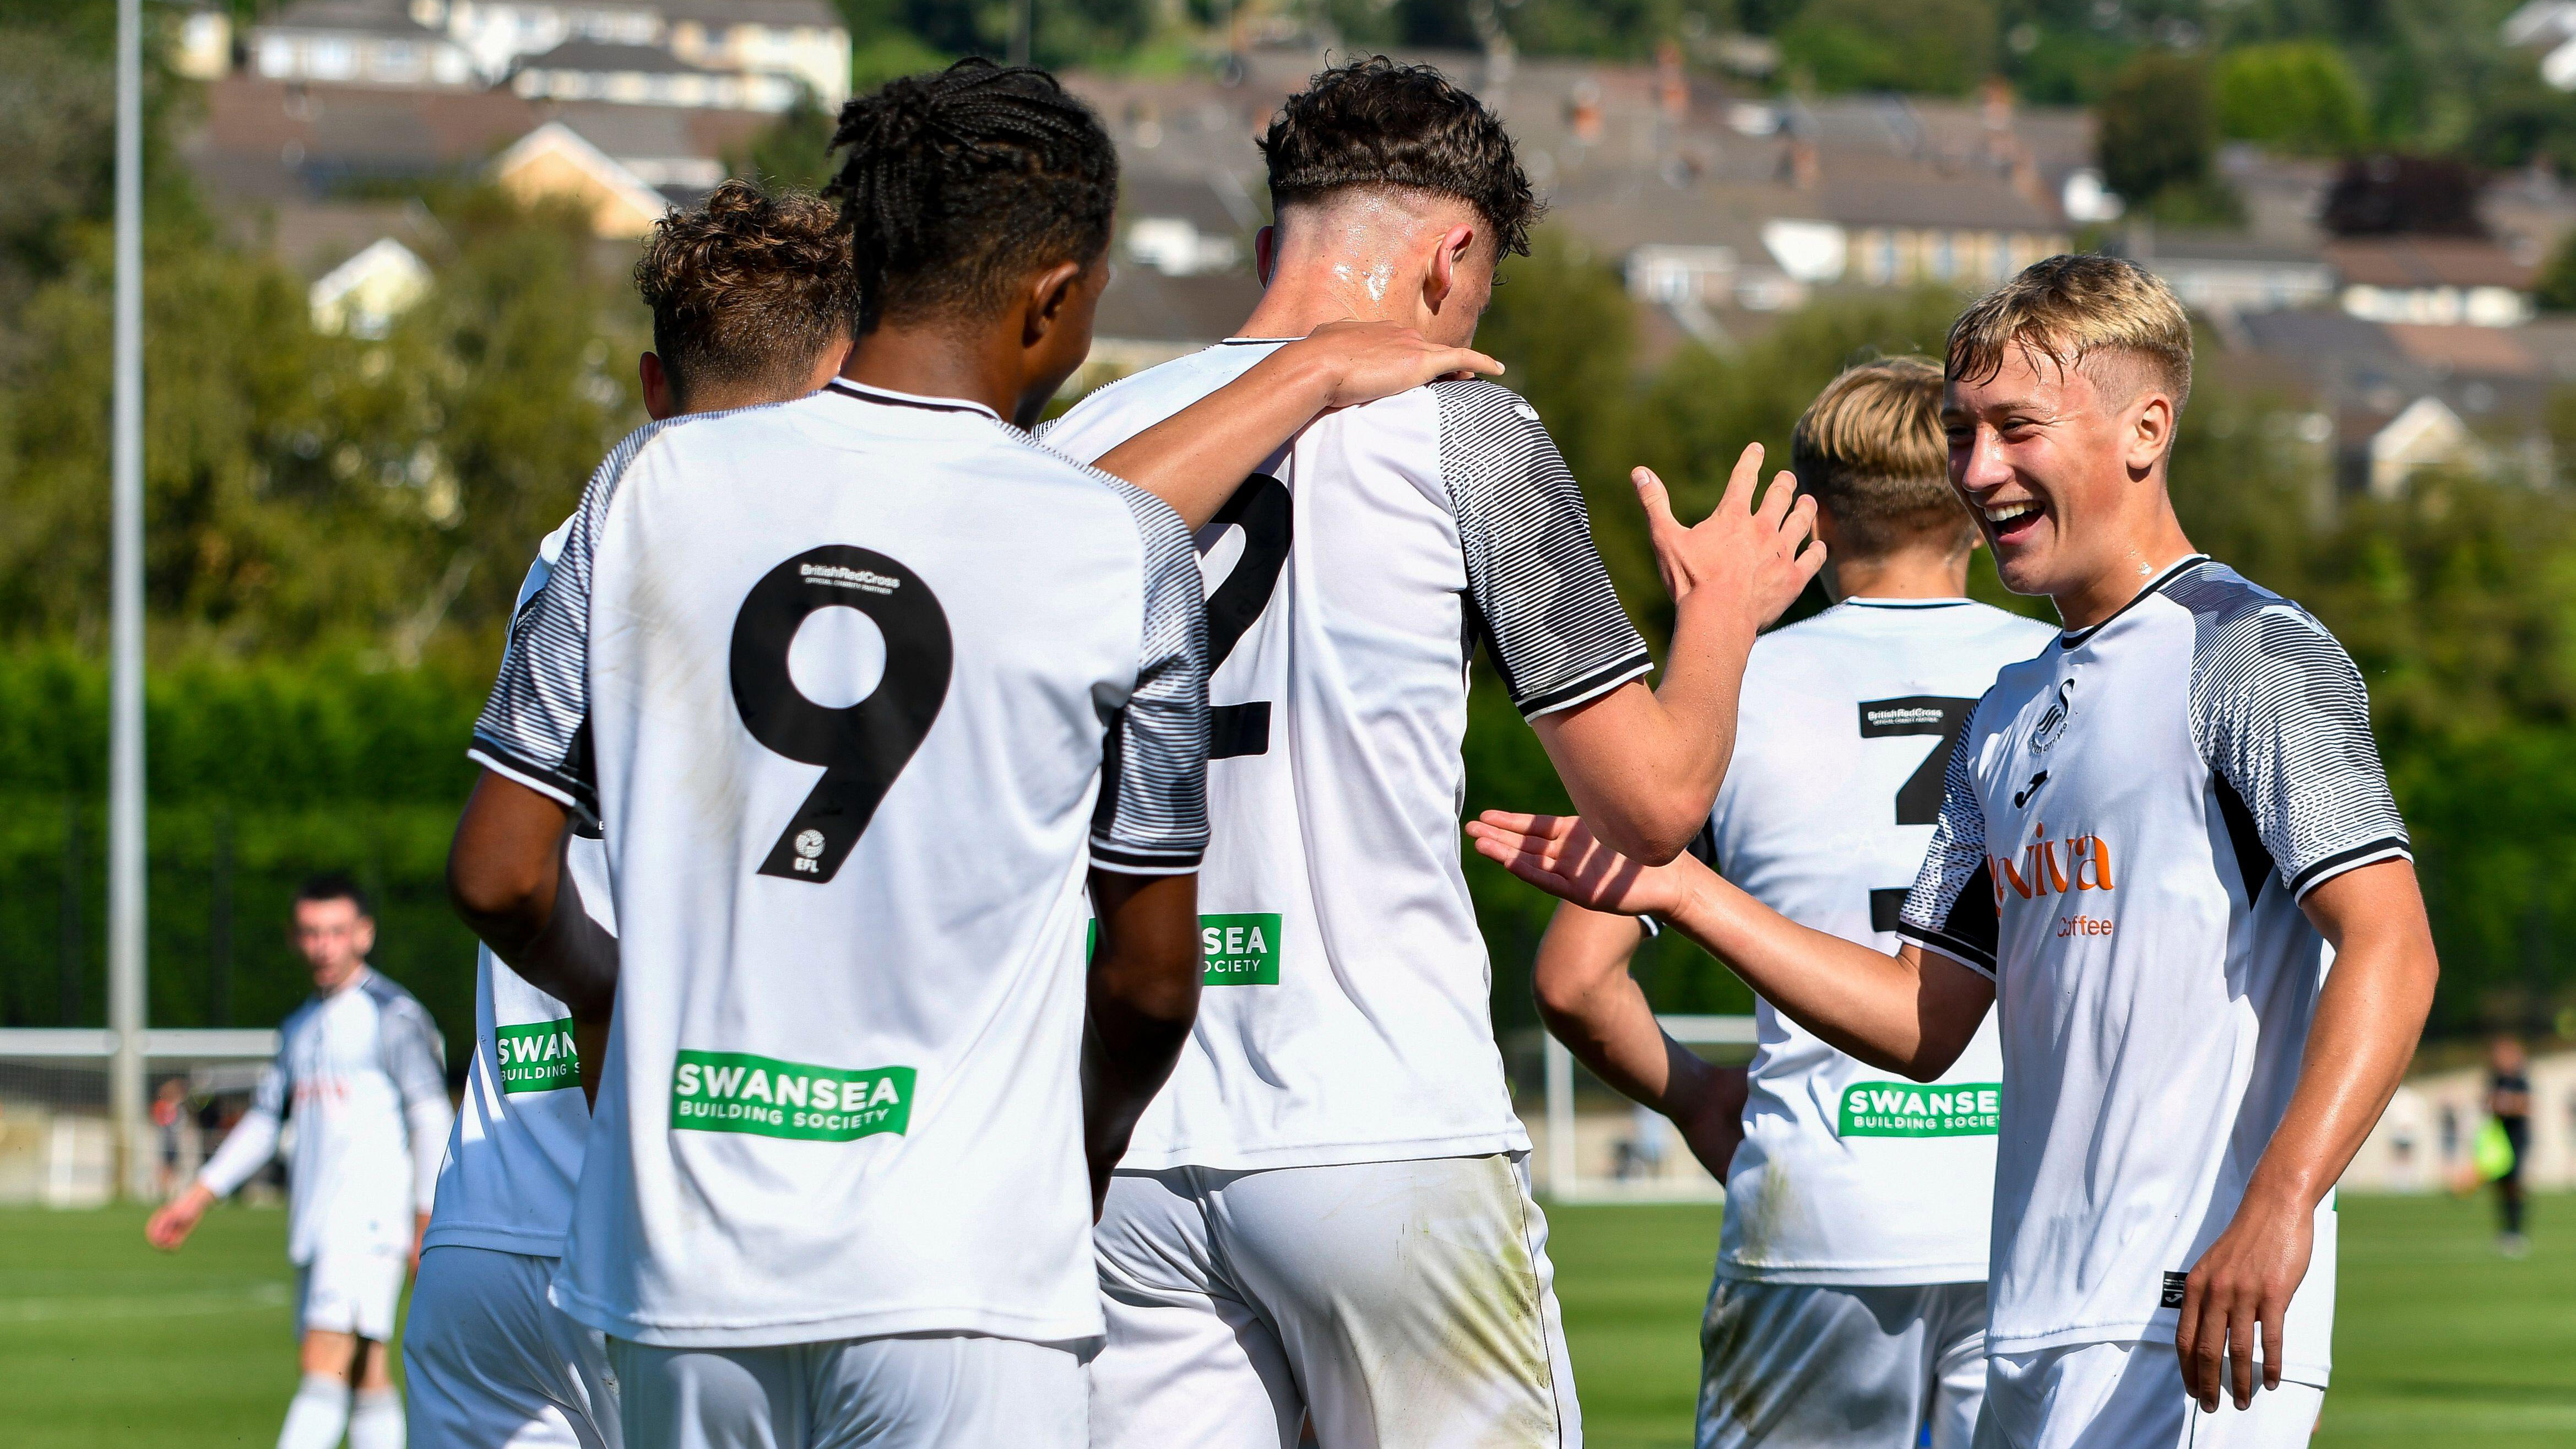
2054 867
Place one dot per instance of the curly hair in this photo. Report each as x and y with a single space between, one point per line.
958 182
1379 122
748 289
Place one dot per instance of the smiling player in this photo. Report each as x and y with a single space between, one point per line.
2155 838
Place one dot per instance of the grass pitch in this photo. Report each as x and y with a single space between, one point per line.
2438 1341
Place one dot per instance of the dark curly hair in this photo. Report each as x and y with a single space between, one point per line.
1379 122
958 182
747 289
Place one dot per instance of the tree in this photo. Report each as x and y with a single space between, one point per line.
2296 96
2416 195
1936 47
2157 134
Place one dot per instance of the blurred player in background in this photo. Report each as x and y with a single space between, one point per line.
1327 1211
865 689
2153 840
363 1072
2509 1101
752 296
1850 1300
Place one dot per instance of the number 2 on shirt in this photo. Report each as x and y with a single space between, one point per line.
1918 800
1262 509
863 746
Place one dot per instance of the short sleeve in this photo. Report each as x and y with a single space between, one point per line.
1558 633
2282 717
413 1054
1152 818
1952 906
535 728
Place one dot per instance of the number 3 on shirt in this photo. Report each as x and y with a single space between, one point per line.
1262 510
861 747
1918 800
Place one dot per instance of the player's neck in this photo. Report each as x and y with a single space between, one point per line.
1909 574
2147 547
1307 291
938 362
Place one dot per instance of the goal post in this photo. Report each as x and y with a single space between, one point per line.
58 1142
1583 1155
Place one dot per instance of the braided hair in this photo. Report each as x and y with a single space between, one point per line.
957 183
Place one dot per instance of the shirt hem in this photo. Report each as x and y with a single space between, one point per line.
498 1240
1906 1275
2343 861
987 1322
1947 945
553 786
2154 1330
1336 1154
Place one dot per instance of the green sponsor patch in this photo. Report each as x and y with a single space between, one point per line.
1240 950
537 1057
738 1092
1911 1109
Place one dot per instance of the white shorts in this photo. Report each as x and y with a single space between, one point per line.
2130 1395
1801 1366
350 1291
917 1391
1405 1305
488 1363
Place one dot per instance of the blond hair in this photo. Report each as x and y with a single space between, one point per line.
2070 308
1871 450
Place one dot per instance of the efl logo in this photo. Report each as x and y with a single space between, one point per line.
537 1057
2053 867
739 1092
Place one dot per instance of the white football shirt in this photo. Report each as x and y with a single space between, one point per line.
515 1152
1850 1175
2127 829
1348 1015
841 678
363 1074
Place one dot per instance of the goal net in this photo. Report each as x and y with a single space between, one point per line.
1594 1145
57 1144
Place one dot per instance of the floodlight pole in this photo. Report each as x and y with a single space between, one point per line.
125 885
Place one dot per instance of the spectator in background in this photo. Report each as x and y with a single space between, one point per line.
169 1130
2509 1100
362 1068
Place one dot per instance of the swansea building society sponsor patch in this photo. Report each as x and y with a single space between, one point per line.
739 1092
537 1057
1240 949
1911 1109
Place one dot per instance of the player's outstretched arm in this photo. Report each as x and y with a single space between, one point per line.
1195 459
1644 766
1144 996
505 877
2369 1017
1591 1003
1912 1012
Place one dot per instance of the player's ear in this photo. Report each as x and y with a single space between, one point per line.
1050 297
2151 430
362 936
659 403
1265 252
1446 258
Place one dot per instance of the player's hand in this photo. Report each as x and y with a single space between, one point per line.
1760 557
2240 1287
419 1231
1360 362
1711 1120
177 1218
1558 854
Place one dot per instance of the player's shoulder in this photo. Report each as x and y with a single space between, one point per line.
1476 404
2241 628
390 998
